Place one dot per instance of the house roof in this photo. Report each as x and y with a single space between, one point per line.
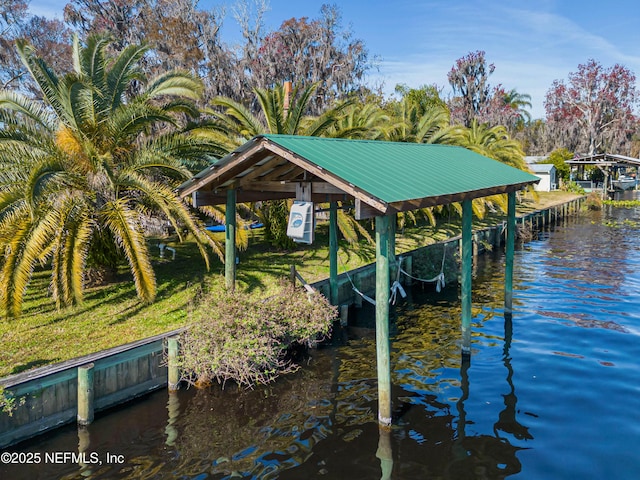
542 167
382 177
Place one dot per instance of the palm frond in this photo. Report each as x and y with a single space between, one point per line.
122 72
237 118
44 77
296 112
272 107
175 84
123 223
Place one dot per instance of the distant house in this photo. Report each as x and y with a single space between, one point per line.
547 174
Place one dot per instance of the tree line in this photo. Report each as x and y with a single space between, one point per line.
95 134
591 112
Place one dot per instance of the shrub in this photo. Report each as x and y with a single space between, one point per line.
8 402
593 201
245 339
573 187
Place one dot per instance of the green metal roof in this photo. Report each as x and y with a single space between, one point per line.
386 176
394 171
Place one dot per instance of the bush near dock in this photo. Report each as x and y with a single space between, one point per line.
241 338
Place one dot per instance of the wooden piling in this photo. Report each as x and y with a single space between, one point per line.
408 267
510 251
344 315
173 373
382 320
85 394
230 241
333 253
467 267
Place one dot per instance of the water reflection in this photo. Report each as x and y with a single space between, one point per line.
255 433
173 412
385 452
507 421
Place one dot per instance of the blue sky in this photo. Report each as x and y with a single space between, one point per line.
531 43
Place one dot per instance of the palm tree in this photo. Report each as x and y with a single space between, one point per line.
363 121
493 142
81 171
281 115
519 102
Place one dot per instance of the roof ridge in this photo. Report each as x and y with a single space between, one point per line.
273 136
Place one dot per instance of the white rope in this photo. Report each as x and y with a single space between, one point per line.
439 279
353 286
397 287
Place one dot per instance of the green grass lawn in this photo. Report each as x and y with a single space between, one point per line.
112 315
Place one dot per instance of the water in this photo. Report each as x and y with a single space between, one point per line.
551 394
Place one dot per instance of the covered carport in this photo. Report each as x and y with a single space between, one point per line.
380 179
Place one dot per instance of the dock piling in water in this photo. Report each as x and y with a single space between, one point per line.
85 394
173 373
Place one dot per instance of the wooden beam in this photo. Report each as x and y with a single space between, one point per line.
316 187
204 199
364 210
259 170
296 174
406 205
282 171
229 167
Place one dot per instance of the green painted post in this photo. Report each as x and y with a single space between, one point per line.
467 265
173 379
382 320
392 239
85 394
510 247
408 267
333 253
230 241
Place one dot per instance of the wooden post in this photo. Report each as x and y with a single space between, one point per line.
382 320
344 315
173 373
85 394
408 267
392 244
467 266
230 241
510 248
333 253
